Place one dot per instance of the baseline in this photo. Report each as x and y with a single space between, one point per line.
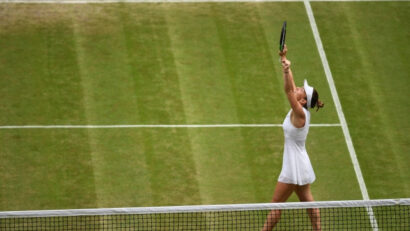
155 126
178 1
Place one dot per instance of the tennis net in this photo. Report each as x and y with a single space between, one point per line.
391 214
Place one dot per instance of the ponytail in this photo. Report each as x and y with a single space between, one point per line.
315 101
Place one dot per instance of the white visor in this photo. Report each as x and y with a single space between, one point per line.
309 93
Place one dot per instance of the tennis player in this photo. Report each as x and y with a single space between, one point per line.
297 172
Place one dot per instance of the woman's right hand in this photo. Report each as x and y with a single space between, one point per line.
285 65
283 53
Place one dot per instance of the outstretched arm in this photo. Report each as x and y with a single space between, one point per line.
298 117
287 72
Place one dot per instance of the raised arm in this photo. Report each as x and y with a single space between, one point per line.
298 116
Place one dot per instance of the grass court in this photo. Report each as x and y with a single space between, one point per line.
195 63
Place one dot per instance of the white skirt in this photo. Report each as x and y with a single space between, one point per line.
296 168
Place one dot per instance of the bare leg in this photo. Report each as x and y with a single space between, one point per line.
272 219
305 194
281 194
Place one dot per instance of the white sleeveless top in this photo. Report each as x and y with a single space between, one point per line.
296 167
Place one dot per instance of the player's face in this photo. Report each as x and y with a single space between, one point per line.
300 93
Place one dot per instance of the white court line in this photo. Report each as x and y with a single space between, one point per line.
155 126
178 1
340 113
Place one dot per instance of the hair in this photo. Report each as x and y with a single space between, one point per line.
315 101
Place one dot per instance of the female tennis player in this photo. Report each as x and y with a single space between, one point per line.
297 172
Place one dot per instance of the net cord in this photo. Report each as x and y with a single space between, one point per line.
204 208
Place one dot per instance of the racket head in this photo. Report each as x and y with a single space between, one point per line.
282 37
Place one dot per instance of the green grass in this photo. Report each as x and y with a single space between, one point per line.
208 63
372 81
46 169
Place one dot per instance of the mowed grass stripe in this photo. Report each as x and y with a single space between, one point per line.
168 154
41 170
207 96
36 58
152 64
249 65
372 75
108 94
256 91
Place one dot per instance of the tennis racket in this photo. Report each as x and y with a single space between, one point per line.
282 37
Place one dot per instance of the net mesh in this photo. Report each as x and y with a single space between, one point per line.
318 216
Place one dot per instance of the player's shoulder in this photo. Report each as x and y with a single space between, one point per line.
307 114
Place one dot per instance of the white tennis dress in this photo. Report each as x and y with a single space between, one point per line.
296 167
